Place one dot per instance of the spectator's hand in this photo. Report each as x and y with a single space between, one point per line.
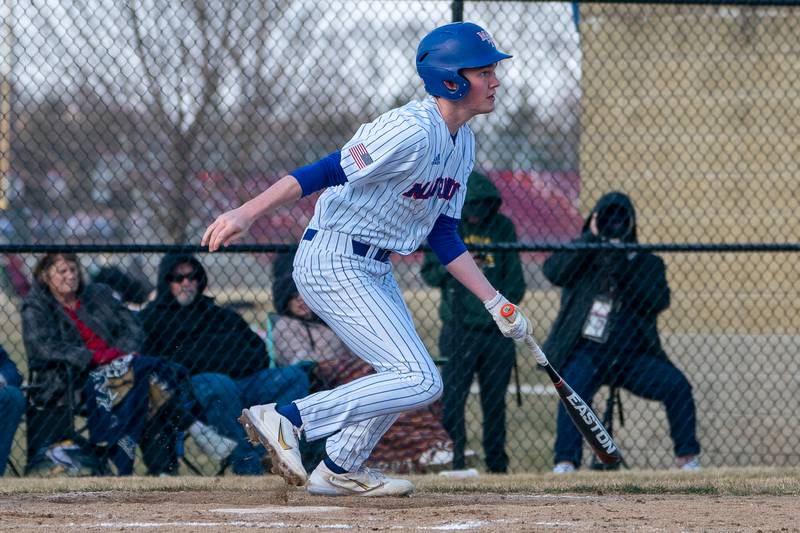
518 329
227 228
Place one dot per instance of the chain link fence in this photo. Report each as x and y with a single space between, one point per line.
127 127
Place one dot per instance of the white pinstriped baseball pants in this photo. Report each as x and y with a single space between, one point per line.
359 299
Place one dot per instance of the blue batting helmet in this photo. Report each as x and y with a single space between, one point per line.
448 49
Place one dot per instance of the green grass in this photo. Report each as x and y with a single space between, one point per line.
716 481
711 482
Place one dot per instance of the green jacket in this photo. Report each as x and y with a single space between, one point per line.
481 223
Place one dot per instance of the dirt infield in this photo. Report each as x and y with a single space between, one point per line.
279 510
238 504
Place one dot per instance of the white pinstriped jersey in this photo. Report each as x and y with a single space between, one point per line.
403 171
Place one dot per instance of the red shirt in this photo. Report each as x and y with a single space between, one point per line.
102 353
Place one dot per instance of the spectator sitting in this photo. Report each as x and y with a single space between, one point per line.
227 360
470 341
128 396
605 331
12 405
416 442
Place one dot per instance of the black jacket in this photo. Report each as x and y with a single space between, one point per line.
52 339
202 336
636 282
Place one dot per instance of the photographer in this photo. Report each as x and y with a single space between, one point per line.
469 340
605 331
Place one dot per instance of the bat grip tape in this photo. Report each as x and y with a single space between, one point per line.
537 352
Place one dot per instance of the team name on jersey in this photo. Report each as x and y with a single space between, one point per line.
444 188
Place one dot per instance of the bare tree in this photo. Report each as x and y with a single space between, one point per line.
242 88
172 63
184 89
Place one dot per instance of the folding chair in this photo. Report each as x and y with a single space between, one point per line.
52 422
51 419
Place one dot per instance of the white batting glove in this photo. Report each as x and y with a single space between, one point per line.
508 317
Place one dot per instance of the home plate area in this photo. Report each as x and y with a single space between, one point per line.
240 510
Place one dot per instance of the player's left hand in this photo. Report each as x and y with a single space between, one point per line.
227 228
514 325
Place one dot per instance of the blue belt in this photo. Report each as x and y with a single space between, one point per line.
359 248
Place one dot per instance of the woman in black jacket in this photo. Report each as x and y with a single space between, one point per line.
80 338
606 332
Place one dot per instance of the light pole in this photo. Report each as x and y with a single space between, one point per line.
5 103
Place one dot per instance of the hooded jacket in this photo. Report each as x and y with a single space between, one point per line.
202 336
636 282
502 269
307 339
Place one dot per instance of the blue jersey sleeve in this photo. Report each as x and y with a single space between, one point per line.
444 239
326 172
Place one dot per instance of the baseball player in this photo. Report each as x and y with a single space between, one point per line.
399 180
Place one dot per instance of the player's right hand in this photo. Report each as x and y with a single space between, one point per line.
227 228
509 319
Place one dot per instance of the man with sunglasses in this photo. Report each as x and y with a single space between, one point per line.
227 361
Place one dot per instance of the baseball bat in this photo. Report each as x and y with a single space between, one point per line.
579 411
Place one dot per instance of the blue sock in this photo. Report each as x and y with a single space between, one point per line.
333 467
291 412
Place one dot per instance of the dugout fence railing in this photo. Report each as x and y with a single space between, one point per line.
750 363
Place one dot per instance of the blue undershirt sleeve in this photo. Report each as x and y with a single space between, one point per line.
444 239
326 172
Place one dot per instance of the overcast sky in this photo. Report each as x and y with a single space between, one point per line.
542 38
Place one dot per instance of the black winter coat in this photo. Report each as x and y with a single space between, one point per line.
636 281
51 337
202 336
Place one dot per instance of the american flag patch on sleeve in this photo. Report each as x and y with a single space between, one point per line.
360 155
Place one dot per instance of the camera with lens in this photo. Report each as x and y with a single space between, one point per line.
614 222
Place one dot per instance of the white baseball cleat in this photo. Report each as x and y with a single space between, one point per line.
265 425
564 467
365 482
691 464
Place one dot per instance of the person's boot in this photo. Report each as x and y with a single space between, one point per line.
214 445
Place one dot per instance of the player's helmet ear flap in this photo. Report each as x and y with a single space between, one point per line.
448 49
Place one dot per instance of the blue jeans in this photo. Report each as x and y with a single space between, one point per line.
117 401
12 405
223 399
649 377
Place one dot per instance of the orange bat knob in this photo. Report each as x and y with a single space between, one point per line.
507 311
